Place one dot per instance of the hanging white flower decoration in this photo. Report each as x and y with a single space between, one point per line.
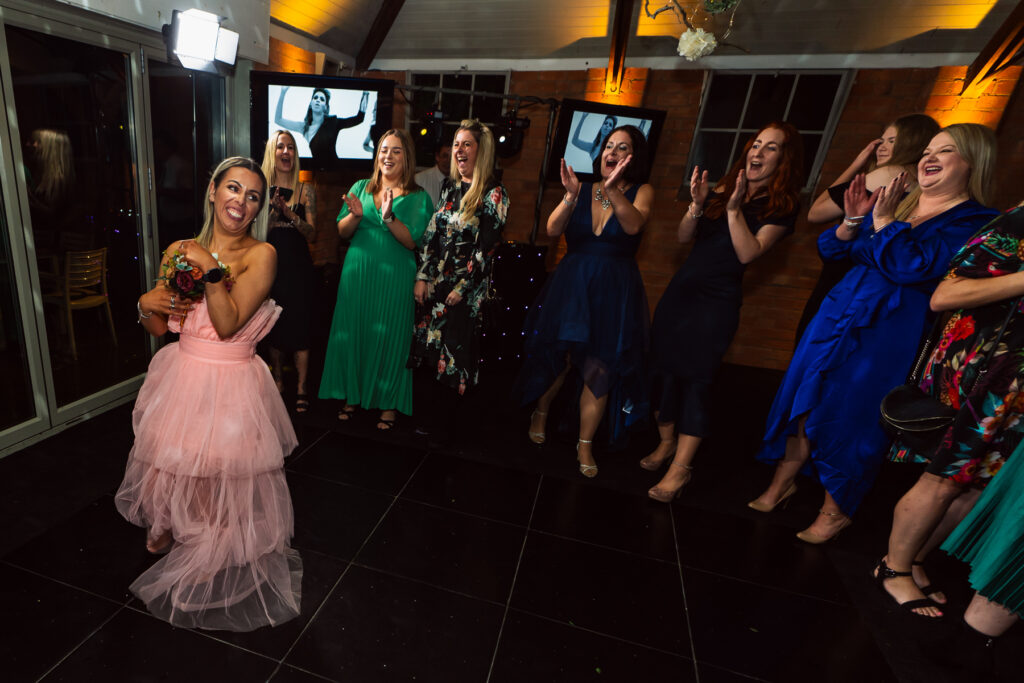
695 43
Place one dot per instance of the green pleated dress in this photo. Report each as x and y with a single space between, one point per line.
991 537
373 318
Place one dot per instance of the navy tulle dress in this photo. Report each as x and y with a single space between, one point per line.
697 318
592 309
861 344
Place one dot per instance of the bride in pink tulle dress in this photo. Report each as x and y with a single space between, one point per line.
205 475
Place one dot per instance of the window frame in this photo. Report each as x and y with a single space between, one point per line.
838 105
411 76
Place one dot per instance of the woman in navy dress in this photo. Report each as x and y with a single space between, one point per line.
592 313
864 337
746 215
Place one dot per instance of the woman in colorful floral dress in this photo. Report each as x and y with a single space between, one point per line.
455 267
985 384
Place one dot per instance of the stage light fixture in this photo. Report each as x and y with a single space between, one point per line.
508 135
198 41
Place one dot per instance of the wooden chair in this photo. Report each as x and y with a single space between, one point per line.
84 285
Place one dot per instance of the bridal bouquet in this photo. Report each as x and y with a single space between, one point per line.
186 279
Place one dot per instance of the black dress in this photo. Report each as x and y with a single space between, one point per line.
697 318
294 286
323 144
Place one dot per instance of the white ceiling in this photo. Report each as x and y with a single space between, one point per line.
496 31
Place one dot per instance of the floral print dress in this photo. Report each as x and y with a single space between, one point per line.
456 256
985 384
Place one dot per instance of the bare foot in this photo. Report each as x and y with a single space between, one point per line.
921 579
657 458
160 544
903 589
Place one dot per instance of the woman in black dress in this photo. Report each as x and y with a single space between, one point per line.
290 229
319 128
742 218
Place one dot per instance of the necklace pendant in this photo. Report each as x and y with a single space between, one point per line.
605 202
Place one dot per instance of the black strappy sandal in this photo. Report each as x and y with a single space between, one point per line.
883 573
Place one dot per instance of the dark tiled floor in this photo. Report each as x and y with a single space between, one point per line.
494 561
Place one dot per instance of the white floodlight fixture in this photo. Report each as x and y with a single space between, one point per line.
198 41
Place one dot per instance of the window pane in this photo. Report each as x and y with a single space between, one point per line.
456 107
768 99
725 101
488 109
711 153
812 102
423 100
72 106
811 144
16 404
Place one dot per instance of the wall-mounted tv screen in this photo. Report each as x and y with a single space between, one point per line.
335 121
583 126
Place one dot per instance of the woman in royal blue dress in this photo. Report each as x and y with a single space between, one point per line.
592 313
864 337
746 215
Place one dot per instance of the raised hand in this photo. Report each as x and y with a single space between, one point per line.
613 178
386 200
355 207
739 193
867 153
857 201
364 100
889 198
197 255
699 186
569 180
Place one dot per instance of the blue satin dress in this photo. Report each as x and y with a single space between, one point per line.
862 343
593 308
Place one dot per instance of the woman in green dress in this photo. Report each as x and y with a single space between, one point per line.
385 217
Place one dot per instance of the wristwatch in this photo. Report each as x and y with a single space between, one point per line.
213 275
390 218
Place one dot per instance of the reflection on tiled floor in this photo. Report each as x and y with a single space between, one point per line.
491 561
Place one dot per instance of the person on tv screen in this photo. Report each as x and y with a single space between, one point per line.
319 127
595 146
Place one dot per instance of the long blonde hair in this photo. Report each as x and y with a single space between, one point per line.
56 164
977 145
483 171
269 161
408 162
258 227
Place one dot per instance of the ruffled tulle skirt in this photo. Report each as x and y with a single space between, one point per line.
211 433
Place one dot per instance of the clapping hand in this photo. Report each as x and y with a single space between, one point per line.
355 207
857 201
699 186
612 181
739 193
386 200
889 198
569 181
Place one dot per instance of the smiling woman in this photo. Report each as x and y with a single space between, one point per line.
749 212
862 341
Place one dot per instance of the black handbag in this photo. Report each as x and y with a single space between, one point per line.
914 418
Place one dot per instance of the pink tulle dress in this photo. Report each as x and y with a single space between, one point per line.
211 434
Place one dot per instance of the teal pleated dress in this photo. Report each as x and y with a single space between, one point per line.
991 537
371 332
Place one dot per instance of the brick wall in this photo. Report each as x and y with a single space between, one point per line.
777 285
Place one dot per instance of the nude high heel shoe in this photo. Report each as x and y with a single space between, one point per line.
588 471
663 496
808 537
783 501
537 437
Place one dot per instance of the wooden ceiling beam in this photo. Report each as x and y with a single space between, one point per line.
1004 49
621 25
382 24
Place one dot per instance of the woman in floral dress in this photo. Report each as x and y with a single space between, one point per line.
455 267
986 386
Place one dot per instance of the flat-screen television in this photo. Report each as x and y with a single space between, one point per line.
335 121
583 126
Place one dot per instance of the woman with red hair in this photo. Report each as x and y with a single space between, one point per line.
738 221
